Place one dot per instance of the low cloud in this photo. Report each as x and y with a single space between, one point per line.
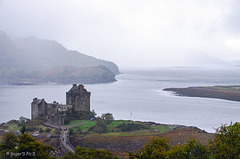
130 33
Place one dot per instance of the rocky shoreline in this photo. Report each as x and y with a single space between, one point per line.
206 92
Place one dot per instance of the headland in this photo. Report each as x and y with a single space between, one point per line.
231 93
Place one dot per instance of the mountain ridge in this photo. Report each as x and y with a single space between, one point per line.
24 58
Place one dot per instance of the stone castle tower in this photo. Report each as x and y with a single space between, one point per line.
79 98
39 108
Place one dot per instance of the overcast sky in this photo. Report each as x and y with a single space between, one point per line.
132 33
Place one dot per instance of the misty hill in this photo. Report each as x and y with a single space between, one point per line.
31 59
203 59
235 62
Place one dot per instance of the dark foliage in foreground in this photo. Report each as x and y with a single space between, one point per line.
225 145
83 153
24 147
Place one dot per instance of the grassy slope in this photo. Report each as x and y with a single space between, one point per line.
235 88
113 131
32 126
120 143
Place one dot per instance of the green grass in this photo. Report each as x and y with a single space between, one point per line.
130 133
13 127
226 88
117 122
113 131
113 126
86 124
160 128
76 122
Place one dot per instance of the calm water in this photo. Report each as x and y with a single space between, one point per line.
138 95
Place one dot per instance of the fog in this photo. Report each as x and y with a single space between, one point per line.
133 33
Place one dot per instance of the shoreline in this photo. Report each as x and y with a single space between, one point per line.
217 92
32 83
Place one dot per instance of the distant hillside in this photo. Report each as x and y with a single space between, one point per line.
204 59
235 62
31 60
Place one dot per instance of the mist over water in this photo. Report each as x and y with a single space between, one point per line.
138 95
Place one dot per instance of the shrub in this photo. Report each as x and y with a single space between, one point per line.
48 129
83 153
100 126
22 144
79 130
131 126
14 122
195 149
30 128
40 130
226 142
71 131
155 148
107 118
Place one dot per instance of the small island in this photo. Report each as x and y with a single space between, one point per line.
231 93
71 130
67 126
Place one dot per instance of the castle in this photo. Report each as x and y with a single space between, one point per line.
77 99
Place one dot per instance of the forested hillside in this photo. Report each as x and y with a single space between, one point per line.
34 60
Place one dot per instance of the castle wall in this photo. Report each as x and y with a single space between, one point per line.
59 118
42 111
49 110
82 104
34 111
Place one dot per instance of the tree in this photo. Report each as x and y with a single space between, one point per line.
195 149
100 126
23 120
224 145
226 142
8 145
177 152
93 114
83 153
35 148
24 146
156 148
23 129
107 118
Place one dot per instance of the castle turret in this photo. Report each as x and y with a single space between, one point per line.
79 98
39 108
